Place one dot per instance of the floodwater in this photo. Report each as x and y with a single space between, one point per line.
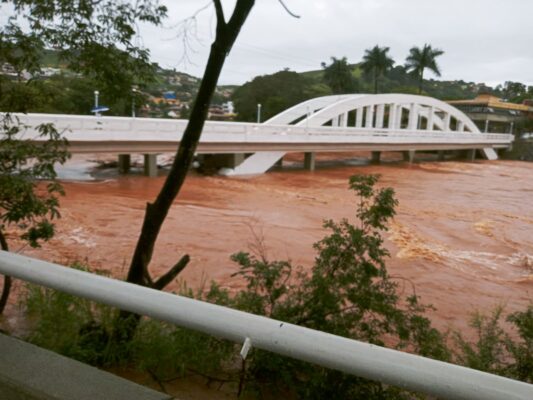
463 234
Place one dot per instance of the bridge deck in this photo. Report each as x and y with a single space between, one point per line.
88 134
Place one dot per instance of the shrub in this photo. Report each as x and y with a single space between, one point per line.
348 292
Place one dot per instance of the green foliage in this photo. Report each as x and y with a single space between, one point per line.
376 63
23 202
497 351
275 93
486 354
347 293
67 324
420 59
96 40
339 77
81 329
521 350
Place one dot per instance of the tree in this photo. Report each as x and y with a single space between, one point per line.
25 203
338 76
156 212
348 292
275 93
95 39
420 59
516 92
376 63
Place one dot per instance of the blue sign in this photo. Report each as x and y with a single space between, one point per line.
99 109
169 95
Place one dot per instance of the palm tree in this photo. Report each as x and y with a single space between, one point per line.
420 59
338 76
376 62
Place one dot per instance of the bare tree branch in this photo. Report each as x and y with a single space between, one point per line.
220 13
169 276
287 9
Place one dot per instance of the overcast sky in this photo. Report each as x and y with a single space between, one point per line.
487 41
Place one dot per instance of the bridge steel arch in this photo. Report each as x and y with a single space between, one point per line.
387 113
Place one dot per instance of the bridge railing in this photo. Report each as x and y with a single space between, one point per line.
389 366
91 128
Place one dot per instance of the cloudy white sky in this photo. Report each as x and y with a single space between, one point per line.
487 41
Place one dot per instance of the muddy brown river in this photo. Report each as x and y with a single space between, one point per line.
463 234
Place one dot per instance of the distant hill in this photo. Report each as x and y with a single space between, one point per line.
283 89
398 80
279 90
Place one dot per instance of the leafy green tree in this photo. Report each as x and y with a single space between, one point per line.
516 92
96 39
26 205
376 62
347 293
420 59
275 93
87 36
339 77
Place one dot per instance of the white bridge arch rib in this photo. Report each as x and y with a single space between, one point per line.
370 109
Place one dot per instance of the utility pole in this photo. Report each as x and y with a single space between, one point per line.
96 93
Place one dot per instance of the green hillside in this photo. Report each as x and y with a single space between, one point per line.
66 92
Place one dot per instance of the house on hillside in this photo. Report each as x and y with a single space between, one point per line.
492 114
222 112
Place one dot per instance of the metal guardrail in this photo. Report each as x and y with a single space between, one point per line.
389 366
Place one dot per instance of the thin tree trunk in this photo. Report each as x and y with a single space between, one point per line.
420 82
156 212
7 279
375 82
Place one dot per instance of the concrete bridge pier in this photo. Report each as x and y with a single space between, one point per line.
217 161
310 161
470 155
409 156
376 157
150 165
124 163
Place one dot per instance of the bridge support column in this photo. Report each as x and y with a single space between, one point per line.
216 161
124 163
376 157
470 155
440 154
309 161
150 165
409 156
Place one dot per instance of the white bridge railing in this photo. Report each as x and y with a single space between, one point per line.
392 367
89 129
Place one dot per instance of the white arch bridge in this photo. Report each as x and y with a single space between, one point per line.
352 122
